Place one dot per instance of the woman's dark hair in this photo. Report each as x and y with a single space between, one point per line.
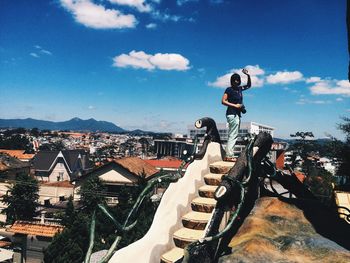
235 80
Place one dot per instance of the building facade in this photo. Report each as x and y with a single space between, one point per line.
65 165
245 129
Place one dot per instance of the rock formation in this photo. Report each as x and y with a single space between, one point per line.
278 231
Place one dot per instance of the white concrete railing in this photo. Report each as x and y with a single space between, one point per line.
175 203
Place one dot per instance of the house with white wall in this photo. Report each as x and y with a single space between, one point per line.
117 174
65 165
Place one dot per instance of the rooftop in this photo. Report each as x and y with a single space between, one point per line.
20 154
137 166
66 184
37 229
8 162
165 163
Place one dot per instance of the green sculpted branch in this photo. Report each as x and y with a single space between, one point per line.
92 237
132 218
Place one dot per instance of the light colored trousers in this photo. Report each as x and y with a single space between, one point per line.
233 127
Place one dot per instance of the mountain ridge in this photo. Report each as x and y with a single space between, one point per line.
74 124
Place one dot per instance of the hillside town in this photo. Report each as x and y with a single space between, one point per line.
61 162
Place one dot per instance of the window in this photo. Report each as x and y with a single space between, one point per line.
60 176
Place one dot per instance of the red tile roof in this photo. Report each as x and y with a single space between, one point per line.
4 243
59 184
18 154
137 166
301 177
37 229
165 163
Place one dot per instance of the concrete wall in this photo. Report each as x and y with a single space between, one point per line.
53 193
116 175
175 203
59 168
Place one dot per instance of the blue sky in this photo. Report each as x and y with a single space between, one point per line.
162 64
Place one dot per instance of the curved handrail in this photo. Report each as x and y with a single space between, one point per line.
211 134
238 180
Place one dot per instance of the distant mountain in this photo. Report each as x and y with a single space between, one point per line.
140 132
275 139
75 124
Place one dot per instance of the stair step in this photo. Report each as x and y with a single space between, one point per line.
212 179
221 167
174 255
185 236
207 191
196 220
203 204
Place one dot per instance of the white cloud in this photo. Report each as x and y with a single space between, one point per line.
307 101
255 72
151 26
170 61
317 85
284 77
41 50
97 16
313 80
139 59
222 81
35 55
166 17
331 87
140 5
181 2
134 59
343 84
46 52
91 107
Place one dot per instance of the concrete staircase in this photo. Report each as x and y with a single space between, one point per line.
196 220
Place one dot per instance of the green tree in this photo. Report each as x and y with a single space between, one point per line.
344 151
320 182
35 132
301 147
318 179
69 213
92 193
71 244
146 212
21 199
15 142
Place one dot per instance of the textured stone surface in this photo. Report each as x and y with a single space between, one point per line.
212 179
195 220
221 167
207 191
202 204
276 231
173 256
185 236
